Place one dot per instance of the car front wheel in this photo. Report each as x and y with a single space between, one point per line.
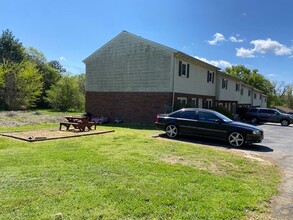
171 131
285 122
236 139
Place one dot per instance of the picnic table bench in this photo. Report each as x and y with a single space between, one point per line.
78 122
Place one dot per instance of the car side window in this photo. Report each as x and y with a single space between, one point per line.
205 116
267 111
188 115
175 115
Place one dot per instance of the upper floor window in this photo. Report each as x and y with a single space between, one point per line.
183 69
241 91
237 87
224 83
259 96
210 76
254 96
249 92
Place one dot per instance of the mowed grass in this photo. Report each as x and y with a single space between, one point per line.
129 175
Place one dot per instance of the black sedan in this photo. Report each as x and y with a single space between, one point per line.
210 124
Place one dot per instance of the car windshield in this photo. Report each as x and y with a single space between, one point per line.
223 117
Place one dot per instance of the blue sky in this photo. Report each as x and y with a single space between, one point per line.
254 33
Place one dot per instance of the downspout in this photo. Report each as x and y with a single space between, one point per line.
173 82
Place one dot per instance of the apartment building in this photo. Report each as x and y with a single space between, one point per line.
133 79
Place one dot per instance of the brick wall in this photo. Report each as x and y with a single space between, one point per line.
131 107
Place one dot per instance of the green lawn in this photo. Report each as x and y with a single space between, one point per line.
129 175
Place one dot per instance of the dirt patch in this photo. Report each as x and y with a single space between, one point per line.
42 135
210 167
257 158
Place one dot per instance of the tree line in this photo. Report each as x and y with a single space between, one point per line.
28 80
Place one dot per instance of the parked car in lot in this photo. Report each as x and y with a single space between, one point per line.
210 124
256 115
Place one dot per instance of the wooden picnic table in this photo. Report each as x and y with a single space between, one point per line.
78 122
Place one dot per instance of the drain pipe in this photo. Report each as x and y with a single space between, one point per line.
173 83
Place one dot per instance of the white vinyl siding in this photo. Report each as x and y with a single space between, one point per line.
128 63
245 95
226 89
196 83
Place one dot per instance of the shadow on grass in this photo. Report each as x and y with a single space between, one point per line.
218 143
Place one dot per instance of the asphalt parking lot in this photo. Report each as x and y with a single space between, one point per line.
278 145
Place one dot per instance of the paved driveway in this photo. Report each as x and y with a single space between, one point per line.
278 145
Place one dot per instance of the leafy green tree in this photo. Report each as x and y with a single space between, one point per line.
10 48
289 96
21 84
57 66
65 95
50 75
239 71
81 82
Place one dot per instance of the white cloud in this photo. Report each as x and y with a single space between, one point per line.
272 75
63 58
263 47
268 45
218 37
235 39
242 52
218 63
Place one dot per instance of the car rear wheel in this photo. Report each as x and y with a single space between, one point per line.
171 131
285 122
236 139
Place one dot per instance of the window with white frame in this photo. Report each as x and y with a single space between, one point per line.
183 69
182 101
199 104
193 102
209 103
254 96
249 92
241 91
224 83
210 76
